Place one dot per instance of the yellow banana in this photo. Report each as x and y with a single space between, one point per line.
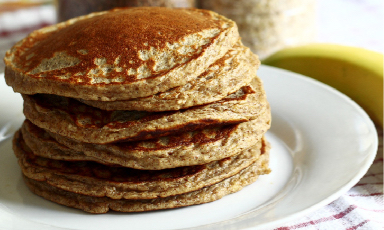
353 71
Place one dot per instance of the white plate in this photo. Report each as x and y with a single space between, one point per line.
322 144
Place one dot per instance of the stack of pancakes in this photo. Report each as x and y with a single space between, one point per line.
139 109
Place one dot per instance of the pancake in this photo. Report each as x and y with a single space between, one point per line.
43 144
70 118
139 109
119 54
94 179
104 204
227 75
189 148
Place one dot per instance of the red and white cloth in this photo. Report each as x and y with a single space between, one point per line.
15 25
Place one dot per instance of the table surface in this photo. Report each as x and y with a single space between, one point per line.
347 22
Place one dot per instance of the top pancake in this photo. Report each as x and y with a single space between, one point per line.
119 54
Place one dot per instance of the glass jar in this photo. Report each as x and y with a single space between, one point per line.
67 9
269 25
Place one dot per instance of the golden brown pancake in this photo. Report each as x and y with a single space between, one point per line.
189 148
119 54
104 204
94 179
70 118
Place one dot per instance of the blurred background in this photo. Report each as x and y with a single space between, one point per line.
265 25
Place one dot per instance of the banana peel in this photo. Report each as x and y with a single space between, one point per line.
356 72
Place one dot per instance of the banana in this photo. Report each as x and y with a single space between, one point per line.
356 72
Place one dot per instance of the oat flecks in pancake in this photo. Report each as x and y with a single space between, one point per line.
227 75
151 55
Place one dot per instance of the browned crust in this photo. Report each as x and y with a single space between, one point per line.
226 76
18 65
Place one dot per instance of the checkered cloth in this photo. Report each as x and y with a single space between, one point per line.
360 208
